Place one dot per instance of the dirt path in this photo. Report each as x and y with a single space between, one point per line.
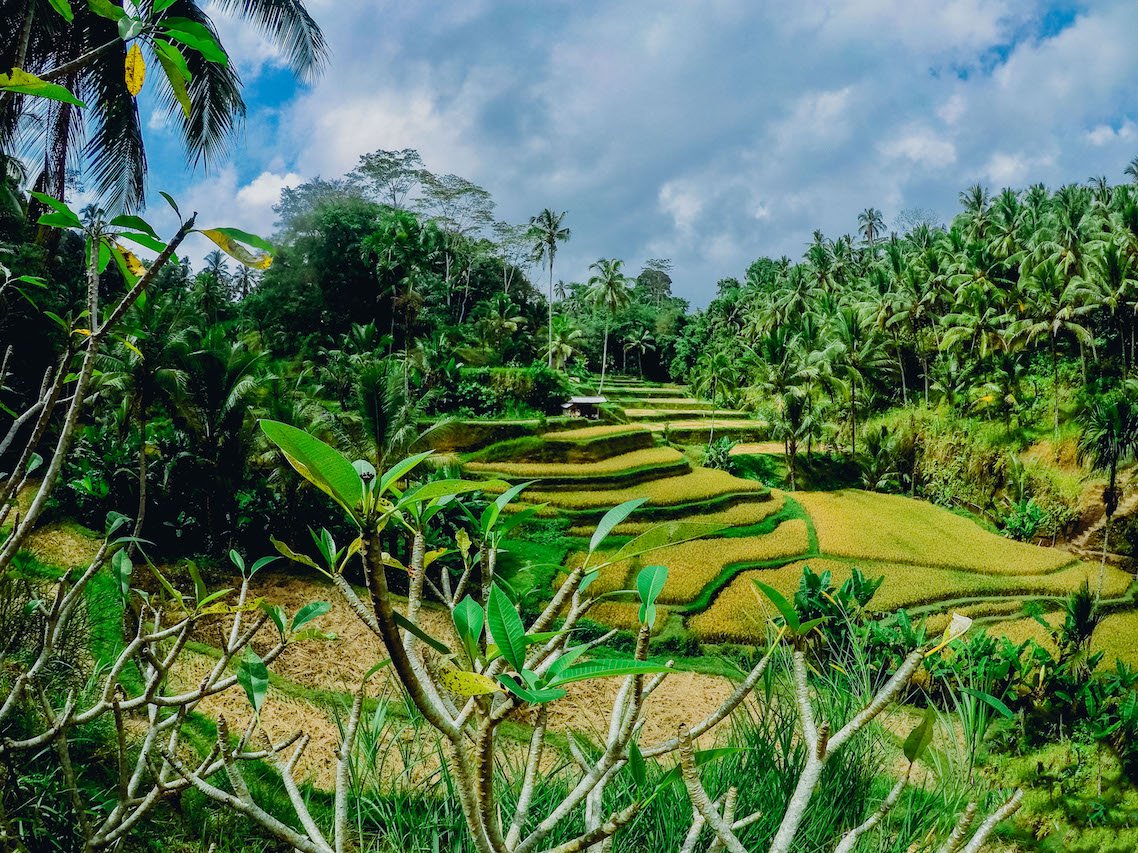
1128 505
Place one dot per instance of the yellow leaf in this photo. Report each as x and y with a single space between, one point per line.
132 348
132 261
260 261
135 70
431 556
463 683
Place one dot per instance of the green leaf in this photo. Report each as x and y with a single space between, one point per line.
34 462
122 568
318 463
469 620
606 668
784 607
701 757
170 201
135 223
276 613
106 9
649 583
921 736
997 705
444 489
290 554
162 5
534 697
401 469
506 628
247 238
260 564
253 675
637 765
60 220
612 518
63 7
310 611
196 37
664 535
129 27
200 591
404 623
176 73
23 83
504 499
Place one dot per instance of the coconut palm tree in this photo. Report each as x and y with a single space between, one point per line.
566 343
857 351
87 56
640 342
1109 438
547 233
609 292
870 224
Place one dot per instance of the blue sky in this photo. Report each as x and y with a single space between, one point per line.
707 132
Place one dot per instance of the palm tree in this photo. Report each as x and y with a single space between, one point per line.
1053 310
715 371
502 318
640 342
566 342
1109 438
1131 170
546 232
87 57
870 224
855 353
609 292
785 374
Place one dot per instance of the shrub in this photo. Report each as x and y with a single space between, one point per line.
718 455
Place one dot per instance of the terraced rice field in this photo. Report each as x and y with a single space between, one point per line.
740 515
694 565
701 484
934 561
852 523
651 457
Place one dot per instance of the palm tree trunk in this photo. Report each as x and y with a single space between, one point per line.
901 366
1102 565
604 360
925 370
853 419
1055 393
791 458
550 362
140 514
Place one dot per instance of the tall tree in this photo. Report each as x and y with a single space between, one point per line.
547 233
609 293
870 224
202 93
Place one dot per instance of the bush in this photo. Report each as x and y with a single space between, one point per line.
1024 520
718 455
502 390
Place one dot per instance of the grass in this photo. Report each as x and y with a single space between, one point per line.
891 528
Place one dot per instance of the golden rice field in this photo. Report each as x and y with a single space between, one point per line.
1116 636
731 615
740 515
726 424
612 465
586 433
625 615
704 414
699 485
693 565
852 523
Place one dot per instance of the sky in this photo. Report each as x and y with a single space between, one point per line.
710 132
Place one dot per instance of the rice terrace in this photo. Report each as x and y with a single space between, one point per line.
568 427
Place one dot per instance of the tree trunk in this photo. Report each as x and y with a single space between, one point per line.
1055 393
853 419
140 515
901 366
925 370
550 360
1102 565
604 360
791 458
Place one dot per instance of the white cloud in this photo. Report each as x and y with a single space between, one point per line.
1014 169
1105 134
264 191
951 111
681 203
922 147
